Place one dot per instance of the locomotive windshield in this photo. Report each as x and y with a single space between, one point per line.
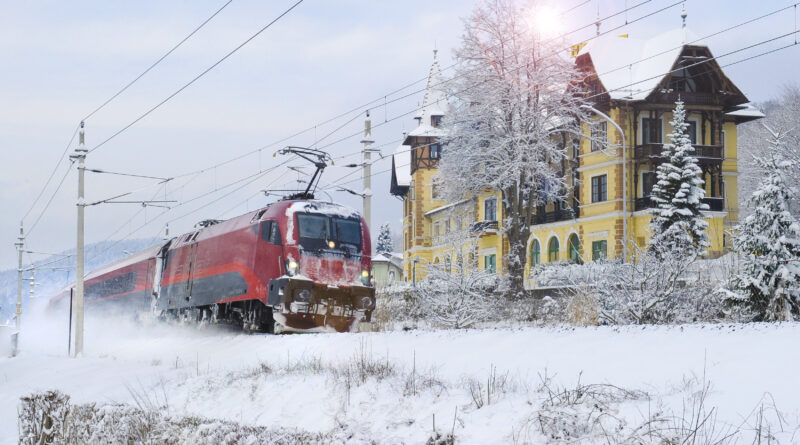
316 231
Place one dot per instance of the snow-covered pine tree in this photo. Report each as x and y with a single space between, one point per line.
677 224
385 244
769 240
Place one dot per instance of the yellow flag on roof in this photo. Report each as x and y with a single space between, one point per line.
575 49
623 36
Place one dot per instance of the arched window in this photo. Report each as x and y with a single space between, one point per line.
552 250
574 248
535 253
447 264
460 263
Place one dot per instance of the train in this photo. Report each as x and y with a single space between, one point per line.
294 265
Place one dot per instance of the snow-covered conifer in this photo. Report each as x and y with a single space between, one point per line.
677 224
385 244
769 240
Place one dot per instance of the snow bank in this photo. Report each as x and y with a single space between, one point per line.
388 386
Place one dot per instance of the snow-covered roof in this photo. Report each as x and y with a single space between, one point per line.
630 68
402 165
392 258
447 206
747 110
427 130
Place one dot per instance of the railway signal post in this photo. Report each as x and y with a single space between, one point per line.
80 156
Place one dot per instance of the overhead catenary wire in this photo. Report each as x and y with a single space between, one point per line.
771 51
368 105
159 60
376 161
52 174
196 78
153 65
252 178
49 201
114 96
337 182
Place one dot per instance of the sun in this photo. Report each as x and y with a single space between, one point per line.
544 20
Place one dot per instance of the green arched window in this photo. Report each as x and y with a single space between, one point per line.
552 250
535 253
574 248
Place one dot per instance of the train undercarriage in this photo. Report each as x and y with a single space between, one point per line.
254 316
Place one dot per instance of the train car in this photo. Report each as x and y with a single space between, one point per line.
293 265
124 286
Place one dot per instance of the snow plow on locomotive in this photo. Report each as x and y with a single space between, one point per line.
295 265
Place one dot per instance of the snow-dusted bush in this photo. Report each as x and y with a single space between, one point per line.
457 298
49 417
396 307
652 288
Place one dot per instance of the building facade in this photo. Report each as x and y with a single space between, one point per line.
633 86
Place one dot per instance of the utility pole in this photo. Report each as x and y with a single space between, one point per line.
367 193
18 319
80 156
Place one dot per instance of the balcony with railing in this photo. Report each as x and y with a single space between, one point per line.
555 216
714 204
653 151
483 227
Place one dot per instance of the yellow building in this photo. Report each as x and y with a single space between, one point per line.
633 85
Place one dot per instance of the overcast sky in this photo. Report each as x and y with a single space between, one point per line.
63 59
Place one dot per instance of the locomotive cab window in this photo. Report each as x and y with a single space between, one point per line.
348 231
314 226
317 231
270 232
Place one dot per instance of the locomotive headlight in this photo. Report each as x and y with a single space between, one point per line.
365 277
291 267
331 244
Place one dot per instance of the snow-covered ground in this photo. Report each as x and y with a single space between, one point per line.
310 382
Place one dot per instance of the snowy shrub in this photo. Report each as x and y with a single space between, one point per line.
415 382
43 417
490 391
396 307
655 287
652 289
49 417
583 414
457 298
582 308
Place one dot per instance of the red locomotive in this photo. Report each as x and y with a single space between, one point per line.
297 264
